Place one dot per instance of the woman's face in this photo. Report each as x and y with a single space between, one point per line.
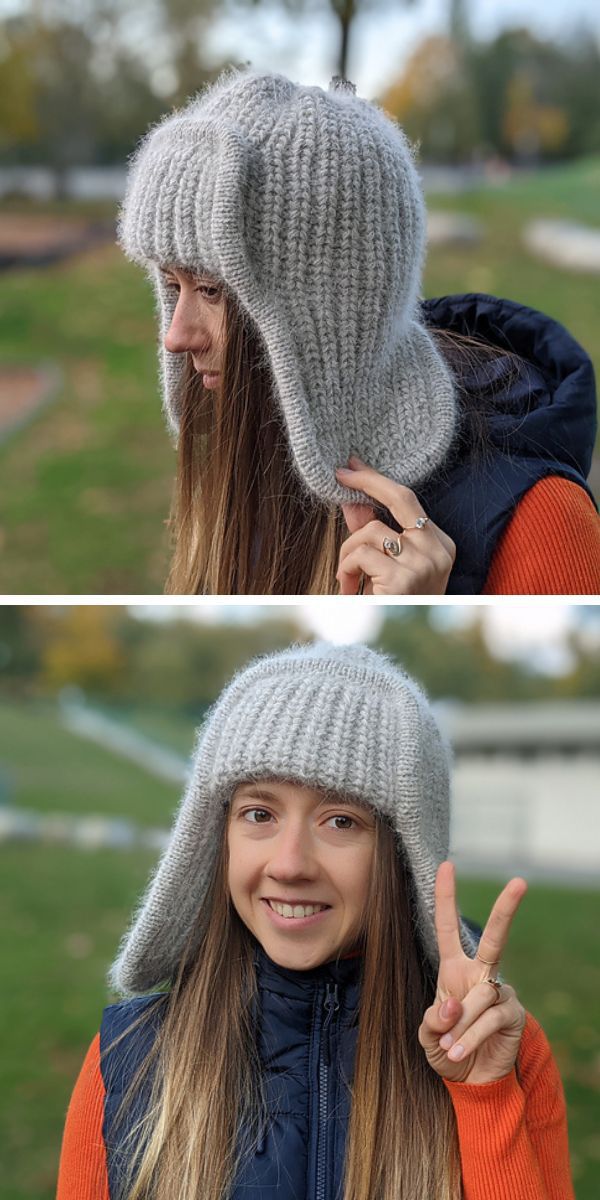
198 324
291 844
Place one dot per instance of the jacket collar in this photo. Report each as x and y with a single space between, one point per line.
346 972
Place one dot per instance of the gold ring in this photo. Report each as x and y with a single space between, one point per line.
497 986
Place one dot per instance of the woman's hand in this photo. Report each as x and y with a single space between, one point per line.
427 555
488 1032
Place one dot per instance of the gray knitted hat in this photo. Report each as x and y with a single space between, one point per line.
345 718
308 207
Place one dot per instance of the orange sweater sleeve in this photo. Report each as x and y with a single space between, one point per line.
551 545
513 1136
82 1171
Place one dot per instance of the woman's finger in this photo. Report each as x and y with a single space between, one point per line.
495 935
437 1020
357 515
508 1017
400 500
386 574
374 532
477 1001
429 563
446 914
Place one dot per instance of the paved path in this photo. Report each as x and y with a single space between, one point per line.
23 391
84 833
119 738
567 244
39 239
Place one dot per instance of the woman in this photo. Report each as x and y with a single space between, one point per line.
283 229
365 1051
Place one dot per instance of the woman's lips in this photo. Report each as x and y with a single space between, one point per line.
293 922
210 379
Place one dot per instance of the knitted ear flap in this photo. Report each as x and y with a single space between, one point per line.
191 243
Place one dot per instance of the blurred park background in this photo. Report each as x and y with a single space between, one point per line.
502 98
98 708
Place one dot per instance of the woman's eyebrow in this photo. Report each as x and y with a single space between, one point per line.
188 274
255 793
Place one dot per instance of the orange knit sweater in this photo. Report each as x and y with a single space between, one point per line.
512 1136
551 545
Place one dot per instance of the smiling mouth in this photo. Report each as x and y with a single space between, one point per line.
296 911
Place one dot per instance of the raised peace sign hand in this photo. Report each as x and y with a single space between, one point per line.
486 1021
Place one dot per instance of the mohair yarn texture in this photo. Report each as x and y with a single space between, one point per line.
308 207
344 718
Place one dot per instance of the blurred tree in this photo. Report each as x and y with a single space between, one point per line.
19 652
583 681
82 647
76 89
434 101
537 93
183 664
456 662
515 95
18 118
45 68
532 130
57 107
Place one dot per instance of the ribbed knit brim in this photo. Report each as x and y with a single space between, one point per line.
308 206
345 718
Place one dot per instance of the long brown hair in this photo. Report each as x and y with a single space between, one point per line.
242 521
206 1106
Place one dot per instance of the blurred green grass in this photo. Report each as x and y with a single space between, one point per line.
87 483
174 730
53 770
64 911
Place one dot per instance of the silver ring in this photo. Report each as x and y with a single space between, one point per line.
392 546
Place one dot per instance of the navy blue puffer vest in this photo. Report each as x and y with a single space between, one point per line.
540 423
308 1031
307 1040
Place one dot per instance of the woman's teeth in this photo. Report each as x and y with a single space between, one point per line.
299 910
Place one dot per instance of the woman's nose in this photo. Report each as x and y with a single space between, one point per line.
293 854
184 332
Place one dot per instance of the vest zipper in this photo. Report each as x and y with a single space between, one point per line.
332 1005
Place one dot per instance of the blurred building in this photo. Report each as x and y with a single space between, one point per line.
526 788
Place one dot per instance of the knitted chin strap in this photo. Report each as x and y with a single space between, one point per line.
343 718
307 205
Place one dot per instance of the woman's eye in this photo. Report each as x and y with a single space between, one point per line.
204 287
255 810
340 816
343 817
